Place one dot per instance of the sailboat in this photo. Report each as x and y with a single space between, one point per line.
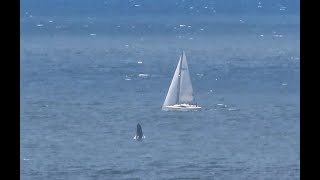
180 93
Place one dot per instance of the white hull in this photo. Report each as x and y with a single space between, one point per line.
181 107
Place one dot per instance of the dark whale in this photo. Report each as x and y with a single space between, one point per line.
139 133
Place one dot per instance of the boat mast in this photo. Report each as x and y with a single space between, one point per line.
179 75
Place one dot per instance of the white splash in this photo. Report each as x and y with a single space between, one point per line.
135 137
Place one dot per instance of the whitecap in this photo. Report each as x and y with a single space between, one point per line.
278 35
143 75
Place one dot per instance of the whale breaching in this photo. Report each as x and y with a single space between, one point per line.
139 134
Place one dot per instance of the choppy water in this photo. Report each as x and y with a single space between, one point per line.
82 96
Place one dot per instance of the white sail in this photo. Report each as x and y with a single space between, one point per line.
172 95
186 90
180 90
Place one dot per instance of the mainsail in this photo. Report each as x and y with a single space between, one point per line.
180 90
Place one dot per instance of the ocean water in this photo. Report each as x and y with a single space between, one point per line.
86 81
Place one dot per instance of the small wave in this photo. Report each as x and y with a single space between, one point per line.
233 109
143 75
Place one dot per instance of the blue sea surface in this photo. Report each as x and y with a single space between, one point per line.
86 81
